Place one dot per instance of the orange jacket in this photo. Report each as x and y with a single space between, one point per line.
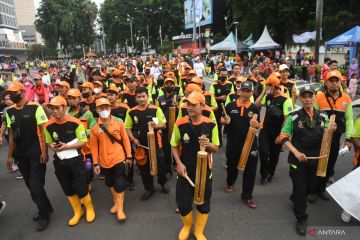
103 150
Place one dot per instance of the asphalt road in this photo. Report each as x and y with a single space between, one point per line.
156 218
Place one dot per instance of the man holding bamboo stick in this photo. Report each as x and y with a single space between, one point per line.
305 127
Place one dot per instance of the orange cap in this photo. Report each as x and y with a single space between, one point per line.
103 74
197 80
74 92
122 67
240 79
170 74
272 80
57 101
334 73
102 101
64 84
169 79
167 66
116 72
98 83
113 88
220 65
15 86
195 97
276 74
192 72
88 85
187 66
192 87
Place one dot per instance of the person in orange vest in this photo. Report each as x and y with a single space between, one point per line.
62 133
334 101
111 149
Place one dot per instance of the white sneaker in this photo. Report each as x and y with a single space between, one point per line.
345 216
3 207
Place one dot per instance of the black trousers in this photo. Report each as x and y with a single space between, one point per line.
115 177
71 175
334 153
34 177
269 152
232 160
167 151
185 195
303 176
147 179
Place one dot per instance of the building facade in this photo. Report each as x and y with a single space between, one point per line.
25 18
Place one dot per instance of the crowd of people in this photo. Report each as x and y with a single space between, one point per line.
95 116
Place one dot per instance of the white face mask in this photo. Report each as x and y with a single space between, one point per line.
104 114
97 90
26 83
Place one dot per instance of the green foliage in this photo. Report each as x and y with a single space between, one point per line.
68 22
287 17
218 37
115 16
38 51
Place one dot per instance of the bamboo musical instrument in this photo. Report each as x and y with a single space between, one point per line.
189 180
172 118
224 110
200 180
247 146
315 158
152 150
325 149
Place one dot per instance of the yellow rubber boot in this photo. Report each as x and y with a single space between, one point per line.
90 213
114 208
78 212
188 222
120 206
200 223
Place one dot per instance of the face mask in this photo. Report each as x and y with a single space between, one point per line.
160 82
15 98
222 78
147 72
74 107
97 90
104 114
169 89
85 95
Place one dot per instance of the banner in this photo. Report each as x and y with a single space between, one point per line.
304 37
203 12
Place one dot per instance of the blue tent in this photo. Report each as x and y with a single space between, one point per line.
349 39
229 44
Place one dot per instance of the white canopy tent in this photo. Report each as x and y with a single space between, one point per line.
229 44
265 42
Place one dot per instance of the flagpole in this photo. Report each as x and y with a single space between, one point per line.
160 36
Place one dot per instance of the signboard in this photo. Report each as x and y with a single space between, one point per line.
203 12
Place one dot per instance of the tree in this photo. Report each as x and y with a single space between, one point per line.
68 22
115 17
287 17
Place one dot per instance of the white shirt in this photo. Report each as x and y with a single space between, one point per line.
199 68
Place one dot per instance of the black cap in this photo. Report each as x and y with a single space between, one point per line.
307 88
247 85
24 74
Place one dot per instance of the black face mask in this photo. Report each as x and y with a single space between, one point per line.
160 82
72 108
15 98
85 95
147 72
169 89
222 78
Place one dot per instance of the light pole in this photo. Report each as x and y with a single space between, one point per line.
194 21
130 20
319 15
236 37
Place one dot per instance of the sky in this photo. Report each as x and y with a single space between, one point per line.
98 2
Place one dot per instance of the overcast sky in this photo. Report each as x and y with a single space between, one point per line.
37 2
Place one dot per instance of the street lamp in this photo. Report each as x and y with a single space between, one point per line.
236 36
130 20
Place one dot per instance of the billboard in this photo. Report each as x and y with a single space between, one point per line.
203 12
